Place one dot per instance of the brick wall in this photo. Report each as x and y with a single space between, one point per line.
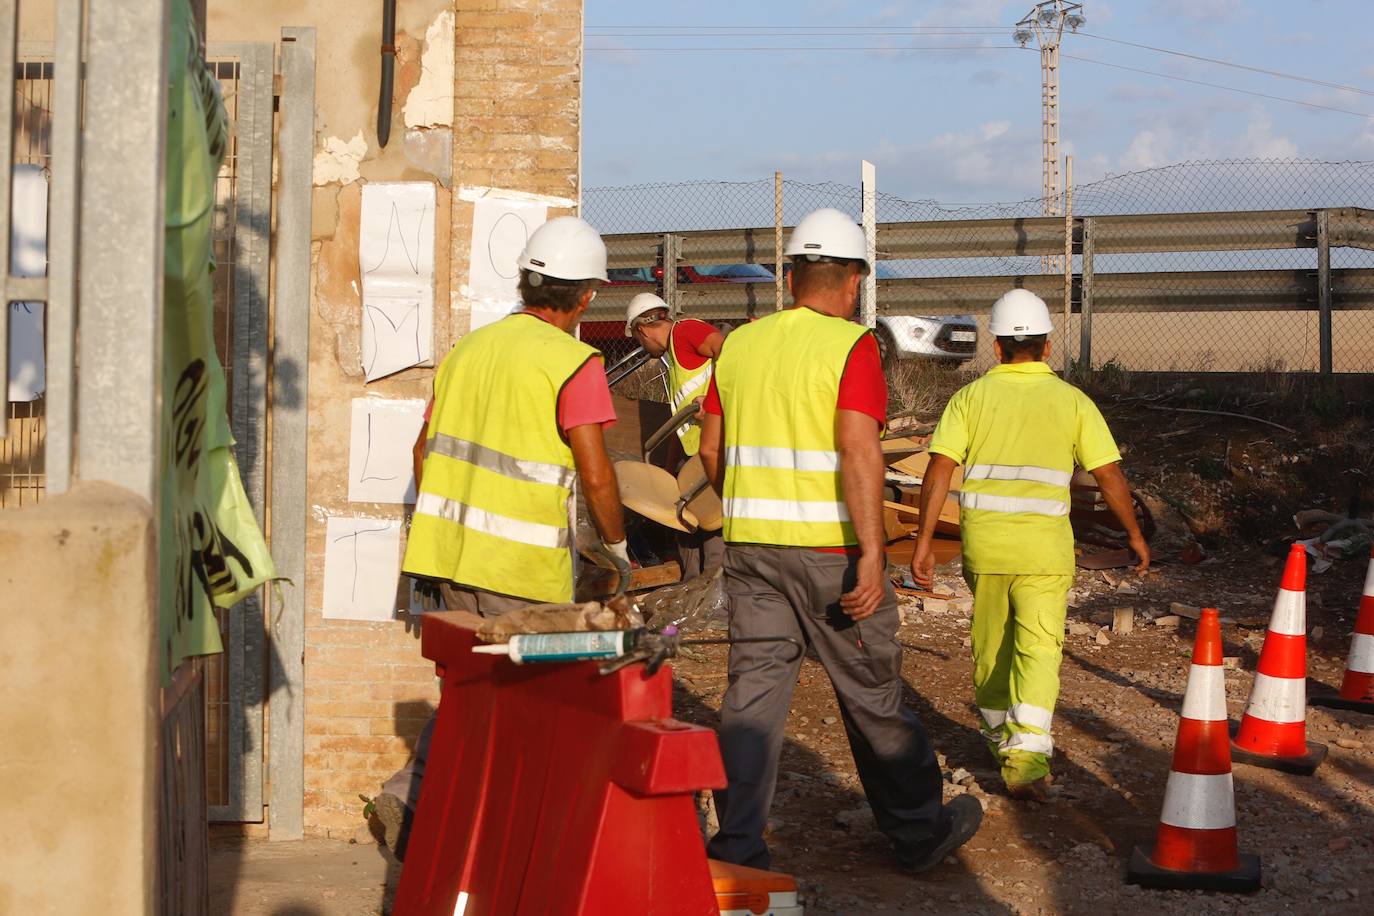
517 87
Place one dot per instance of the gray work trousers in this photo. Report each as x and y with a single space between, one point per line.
699 552
405 782
785 591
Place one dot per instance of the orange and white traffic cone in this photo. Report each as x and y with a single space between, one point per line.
1357 689
1196 848
1273 732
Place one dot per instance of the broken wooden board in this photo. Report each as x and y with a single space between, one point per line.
596 580
915 466
900 552
902 519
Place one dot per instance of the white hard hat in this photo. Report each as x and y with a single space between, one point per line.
1020 313
639 305
828 233
565 248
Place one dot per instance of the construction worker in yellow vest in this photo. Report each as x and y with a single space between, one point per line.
790 437
688 347
1019 431
518 414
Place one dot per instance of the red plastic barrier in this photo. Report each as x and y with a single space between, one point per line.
550 789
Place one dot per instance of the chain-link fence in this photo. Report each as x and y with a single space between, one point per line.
1197 267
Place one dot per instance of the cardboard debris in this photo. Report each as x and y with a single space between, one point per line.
617 614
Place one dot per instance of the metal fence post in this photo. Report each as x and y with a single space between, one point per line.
868 303
1068 257
64 208
777 241
290 433
670 257
9 29
1324 290
1085 318
123 227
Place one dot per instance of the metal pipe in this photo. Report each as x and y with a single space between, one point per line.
667 429
388 71
627 365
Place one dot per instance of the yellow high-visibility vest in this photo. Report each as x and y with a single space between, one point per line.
492 511
1019 430
779 380
683 385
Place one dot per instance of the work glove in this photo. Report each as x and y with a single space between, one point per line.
619 555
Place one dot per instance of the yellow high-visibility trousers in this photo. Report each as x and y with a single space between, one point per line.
1018 640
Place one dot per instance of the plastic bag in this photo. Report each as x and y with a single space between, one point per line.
698 603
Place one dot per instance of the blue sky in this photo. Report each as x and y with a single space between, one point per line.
963 125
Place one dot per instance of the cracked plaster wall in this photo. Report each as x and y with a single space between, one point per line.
509 120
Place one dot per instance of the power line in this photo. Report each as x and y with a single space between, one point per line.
1184 79
823 48
1227 63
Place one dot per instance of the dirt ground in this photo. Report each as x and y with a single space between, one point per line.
1228 486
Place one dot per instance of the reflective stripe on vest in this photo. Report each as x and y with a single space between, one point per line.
753 456
499 462
511 529
778 380
493 507
990 502
1013 472
685 384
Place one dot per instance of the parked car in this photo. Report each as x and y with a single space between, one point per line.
950 340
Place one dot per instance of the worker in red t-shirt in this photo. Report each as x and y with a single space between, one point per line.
790 439
688 347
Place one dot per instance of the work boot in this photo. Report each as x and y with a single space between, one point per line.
1037 790
959 821
395 818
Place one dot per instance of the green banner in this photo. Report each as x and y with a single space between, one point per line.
212 550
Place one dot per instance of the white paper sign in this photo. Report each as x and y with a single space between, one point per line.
500 228
381 466
28 258
362 568
396 262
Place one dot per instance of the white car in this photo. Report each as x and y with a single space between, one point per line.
949 339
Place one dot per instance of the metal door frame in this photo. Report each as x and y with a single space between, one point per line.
244 627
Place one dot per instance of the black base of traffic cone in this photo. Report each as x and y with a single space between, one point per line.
1145 873
1335 701
1305 765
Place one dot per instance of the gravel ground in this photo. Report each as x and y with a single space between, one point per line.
1114 729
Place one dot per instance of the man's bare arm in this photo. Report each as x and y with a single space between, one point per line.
712 445
861 472
1117 493
934 491
597 476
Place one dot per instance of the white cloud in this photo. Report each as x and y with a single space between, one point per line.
990 161
1259 141
1135 92
1209 11
1148 149
988 76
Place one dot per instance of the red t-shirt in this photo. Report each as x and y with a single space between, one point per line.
687 337
862 386
586 398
